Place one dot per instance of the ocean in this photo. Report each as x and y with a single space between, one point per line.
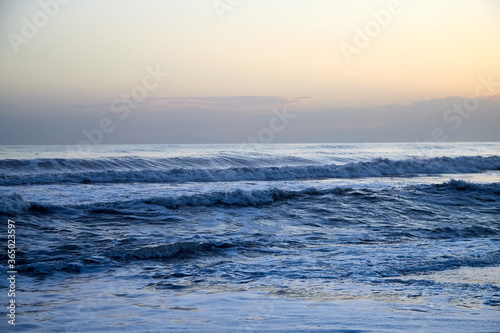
269 238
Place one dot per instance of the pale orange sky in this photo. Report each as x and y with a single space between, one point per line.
94 50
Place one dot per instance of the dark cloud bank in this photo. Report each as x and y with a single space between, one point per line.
234 119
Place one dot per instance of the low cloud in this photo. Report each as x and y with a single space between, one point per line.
227 101
213 120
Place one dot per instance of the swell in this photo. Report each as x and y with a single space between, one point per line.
166 250
44 165
71 263
380 167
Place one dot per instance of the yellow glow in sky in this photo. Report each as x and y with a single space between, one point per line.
94 50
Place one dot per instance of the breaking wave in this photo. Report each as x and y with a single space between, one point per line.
15 204
115 171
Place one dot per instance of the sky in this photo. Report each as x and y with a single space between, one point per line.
196 71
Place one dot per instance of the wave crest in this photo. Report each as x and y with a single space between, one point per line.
380 167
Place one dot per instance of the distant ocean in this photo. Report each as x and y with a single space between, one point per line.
272 238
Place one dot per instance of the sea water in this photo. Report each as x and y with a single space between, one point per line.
275 238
